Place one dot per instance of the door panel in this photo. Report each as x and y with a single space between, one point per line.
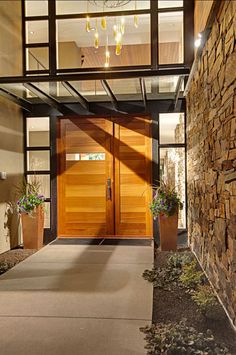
84 147
90 152
133 177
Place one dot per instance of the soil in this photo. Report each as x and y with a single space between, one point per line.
12 257
174 306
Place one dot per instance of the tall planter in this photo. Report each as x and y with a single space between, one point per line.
33 228
168 228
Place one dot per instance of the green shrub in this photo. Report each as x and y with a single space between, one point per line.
162 278
178 260
190 276
207 302
179 339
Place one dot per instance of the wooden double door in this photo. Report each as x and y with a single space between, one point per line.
104 177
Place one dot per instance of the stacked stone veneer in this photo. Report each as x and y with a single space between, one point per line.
211 144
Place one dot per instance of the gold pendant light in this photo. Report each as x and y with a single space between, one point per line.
107 55
96 36
103 21
88 26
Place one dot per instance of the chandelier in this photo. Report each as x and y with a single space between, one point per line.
118 29
109 3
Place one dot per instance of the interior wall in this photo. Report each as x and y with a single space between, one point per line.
11 123
201 13
211 144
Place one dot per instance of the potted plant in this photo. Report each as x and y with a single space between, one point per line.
31 209
165 206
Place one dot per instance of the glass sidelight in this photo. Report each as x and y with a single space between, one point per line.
37 158
172 156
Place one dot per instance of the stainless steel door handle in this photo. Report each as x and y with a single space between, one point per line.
109 189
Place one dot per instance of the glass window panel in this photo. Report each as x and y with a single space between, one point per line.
36 8
73 38
37 58
37 131
126 88
171 128
172 172
92 90
36 31
38 160
43 181
47 216
75 7
161 85
170 37
170 3
86 156
54 89
18 90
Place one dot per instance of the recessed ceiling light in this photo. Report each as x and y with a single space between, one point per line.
31 32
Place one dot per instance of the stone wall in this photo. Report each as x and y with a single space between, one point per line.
211 142
11 123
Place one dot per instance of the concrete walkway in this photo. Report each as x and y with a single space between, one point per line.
76 300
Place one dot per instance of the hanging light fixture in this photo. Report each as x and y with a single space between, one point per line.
107 55
118 28
96 36
88 26
109 3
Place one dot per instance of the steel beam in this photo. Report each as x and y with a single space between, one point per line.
109 92
143 91
48 99
24 104
105 75
83 102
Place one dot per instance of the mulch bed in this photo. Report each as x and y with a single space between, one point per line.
12 257
174 306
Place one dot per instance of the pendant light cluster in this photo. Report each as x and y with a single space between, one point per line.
118 29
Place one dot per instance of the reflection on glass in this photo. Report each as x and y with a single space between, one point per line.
36 8
82 6
73 38
38 160
171 128
170 37
37 131
172 172
92 90
36 31
125 87
47 222
85 156
162 84
37 58
18 90
170 3
43 181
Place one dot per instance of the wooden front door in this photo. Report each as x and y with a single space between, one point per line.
104 177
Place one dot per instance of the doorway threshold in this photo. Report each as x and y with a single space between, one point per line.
102 241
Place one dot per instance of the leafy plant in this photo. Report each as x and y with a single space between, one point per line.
167 277
178 260
205 298
179 339
30 197
162 278
190 276
165 201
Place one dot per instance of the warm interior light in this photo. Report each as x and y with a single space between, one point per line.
197 42
96 40
104 23
122 25
136 21
88 26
